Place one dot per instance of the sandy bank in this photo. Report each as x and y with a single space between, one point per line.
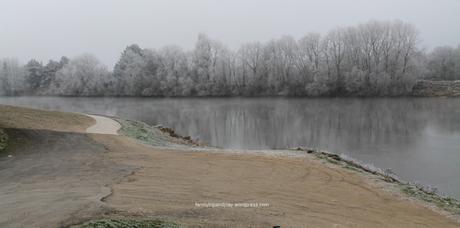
299 191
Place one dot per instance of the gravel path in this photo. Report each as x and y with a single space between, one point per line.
104 125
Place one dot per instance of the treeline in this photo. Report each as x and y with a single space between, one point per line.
372 59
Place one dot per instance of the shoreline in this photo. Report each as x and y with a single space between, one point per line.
162 176
237 97
424 194
420 88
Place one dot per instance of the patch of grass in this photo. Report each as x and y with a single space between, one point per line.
333 161
128 223
353 168
3 140
153 135
446 203
140 131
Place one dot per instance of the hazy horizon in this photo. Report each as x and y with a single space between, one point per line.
49 29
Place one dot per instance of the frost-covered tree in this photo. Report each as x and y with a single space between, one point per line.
444 64
309 56
251 74
35 75
82 76
12 77
130 71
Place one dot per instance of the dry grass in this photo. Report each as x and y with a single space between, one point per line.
26 118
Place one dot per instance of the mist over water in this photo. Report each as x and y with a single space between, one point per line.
418 138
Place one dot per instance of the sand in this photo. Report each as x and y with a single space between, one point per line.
300 191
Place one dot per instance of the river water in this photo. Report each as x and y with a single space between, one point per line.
417 138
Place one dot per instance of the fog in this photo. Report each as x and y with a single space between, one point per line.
48 29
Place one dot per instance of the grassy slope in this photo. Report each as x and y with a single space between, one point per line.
26 118
153 135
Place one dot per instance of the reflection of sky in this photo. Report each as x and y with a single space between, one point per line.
419 139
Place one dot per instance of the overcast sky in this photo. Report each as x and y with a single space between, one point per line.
48 29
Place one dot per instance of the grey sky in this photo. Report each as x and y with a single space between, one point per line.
45 29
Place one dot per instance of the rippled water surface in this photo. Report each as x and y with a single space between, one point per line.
418 138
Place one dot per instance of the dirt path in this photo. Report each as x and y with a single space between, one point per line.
103 125
53 179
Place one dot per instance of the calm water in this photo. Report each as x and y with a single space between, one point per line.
418 138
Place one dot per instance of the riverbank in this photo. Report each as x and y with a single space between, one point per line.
81 176
427 88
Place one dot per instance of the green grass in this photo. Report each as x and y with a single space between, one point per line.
128 223
3 140
141 131
152 135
